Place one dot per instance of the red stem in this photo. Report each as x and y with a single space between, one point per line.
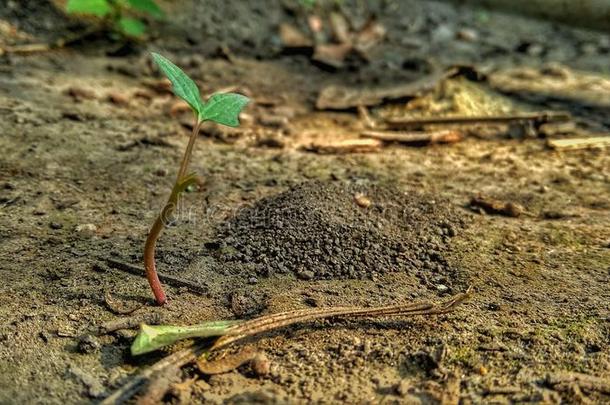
159 225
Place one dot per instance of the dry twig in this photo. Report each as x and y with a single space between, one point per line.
165 278
536 117
416 138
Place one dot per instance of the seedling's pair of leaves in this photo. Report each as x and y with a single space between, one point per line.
221 108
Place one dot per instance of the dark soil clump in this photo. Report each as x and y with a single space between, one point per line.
338 231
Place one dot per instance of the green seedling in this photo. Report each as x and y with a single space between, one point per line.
122 16
221 108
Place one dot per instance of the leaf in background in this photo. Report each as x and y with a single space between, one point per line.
182 85
132 27
146 6
224 108
98 8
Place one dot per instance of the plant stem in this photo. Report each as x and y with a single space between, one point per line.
159 225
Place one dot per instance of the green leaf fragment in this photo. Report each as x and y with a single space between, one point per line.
99 8
131 27
153 337
146 6
182 85
224 108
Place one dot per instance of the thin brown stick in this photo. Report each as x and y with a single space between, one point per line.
275 321
416 138
537 117
165 278
26 49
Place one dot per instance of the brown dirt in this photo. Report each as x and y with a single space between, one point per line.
82 180
317 230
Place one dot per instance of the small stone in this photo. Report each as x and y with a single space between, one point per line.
86 228
442 288
253 280
79 93
118 99
362 200
270 120
443 33
55 225
535 50
468 35
88 344
161 172
306 275
261 365
402 388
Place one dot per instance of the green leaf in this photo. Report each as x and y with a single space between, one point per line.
146 6
224 108
182 85
99 8
132 27
151 337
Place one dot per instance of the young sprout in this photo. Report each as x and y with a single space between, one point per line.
221 108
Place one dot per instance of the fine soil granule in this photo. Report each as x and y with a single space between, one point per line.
334 230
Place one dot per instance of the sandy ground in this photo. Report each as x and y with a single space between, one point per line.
90 150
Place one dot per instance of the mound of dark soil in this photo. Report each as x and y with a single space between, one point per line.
322 231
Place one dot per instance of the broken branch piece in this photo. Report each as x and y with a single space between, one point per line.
415 138
536 118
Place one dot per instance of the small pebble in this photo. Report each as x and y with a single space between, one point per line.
467 34
88 344
362 200
402 388
55 225
161 172
261 365
86 228
442 288
305 275
118 99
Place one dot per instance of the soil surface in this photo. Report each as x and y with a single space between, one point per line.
91 141
329 231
